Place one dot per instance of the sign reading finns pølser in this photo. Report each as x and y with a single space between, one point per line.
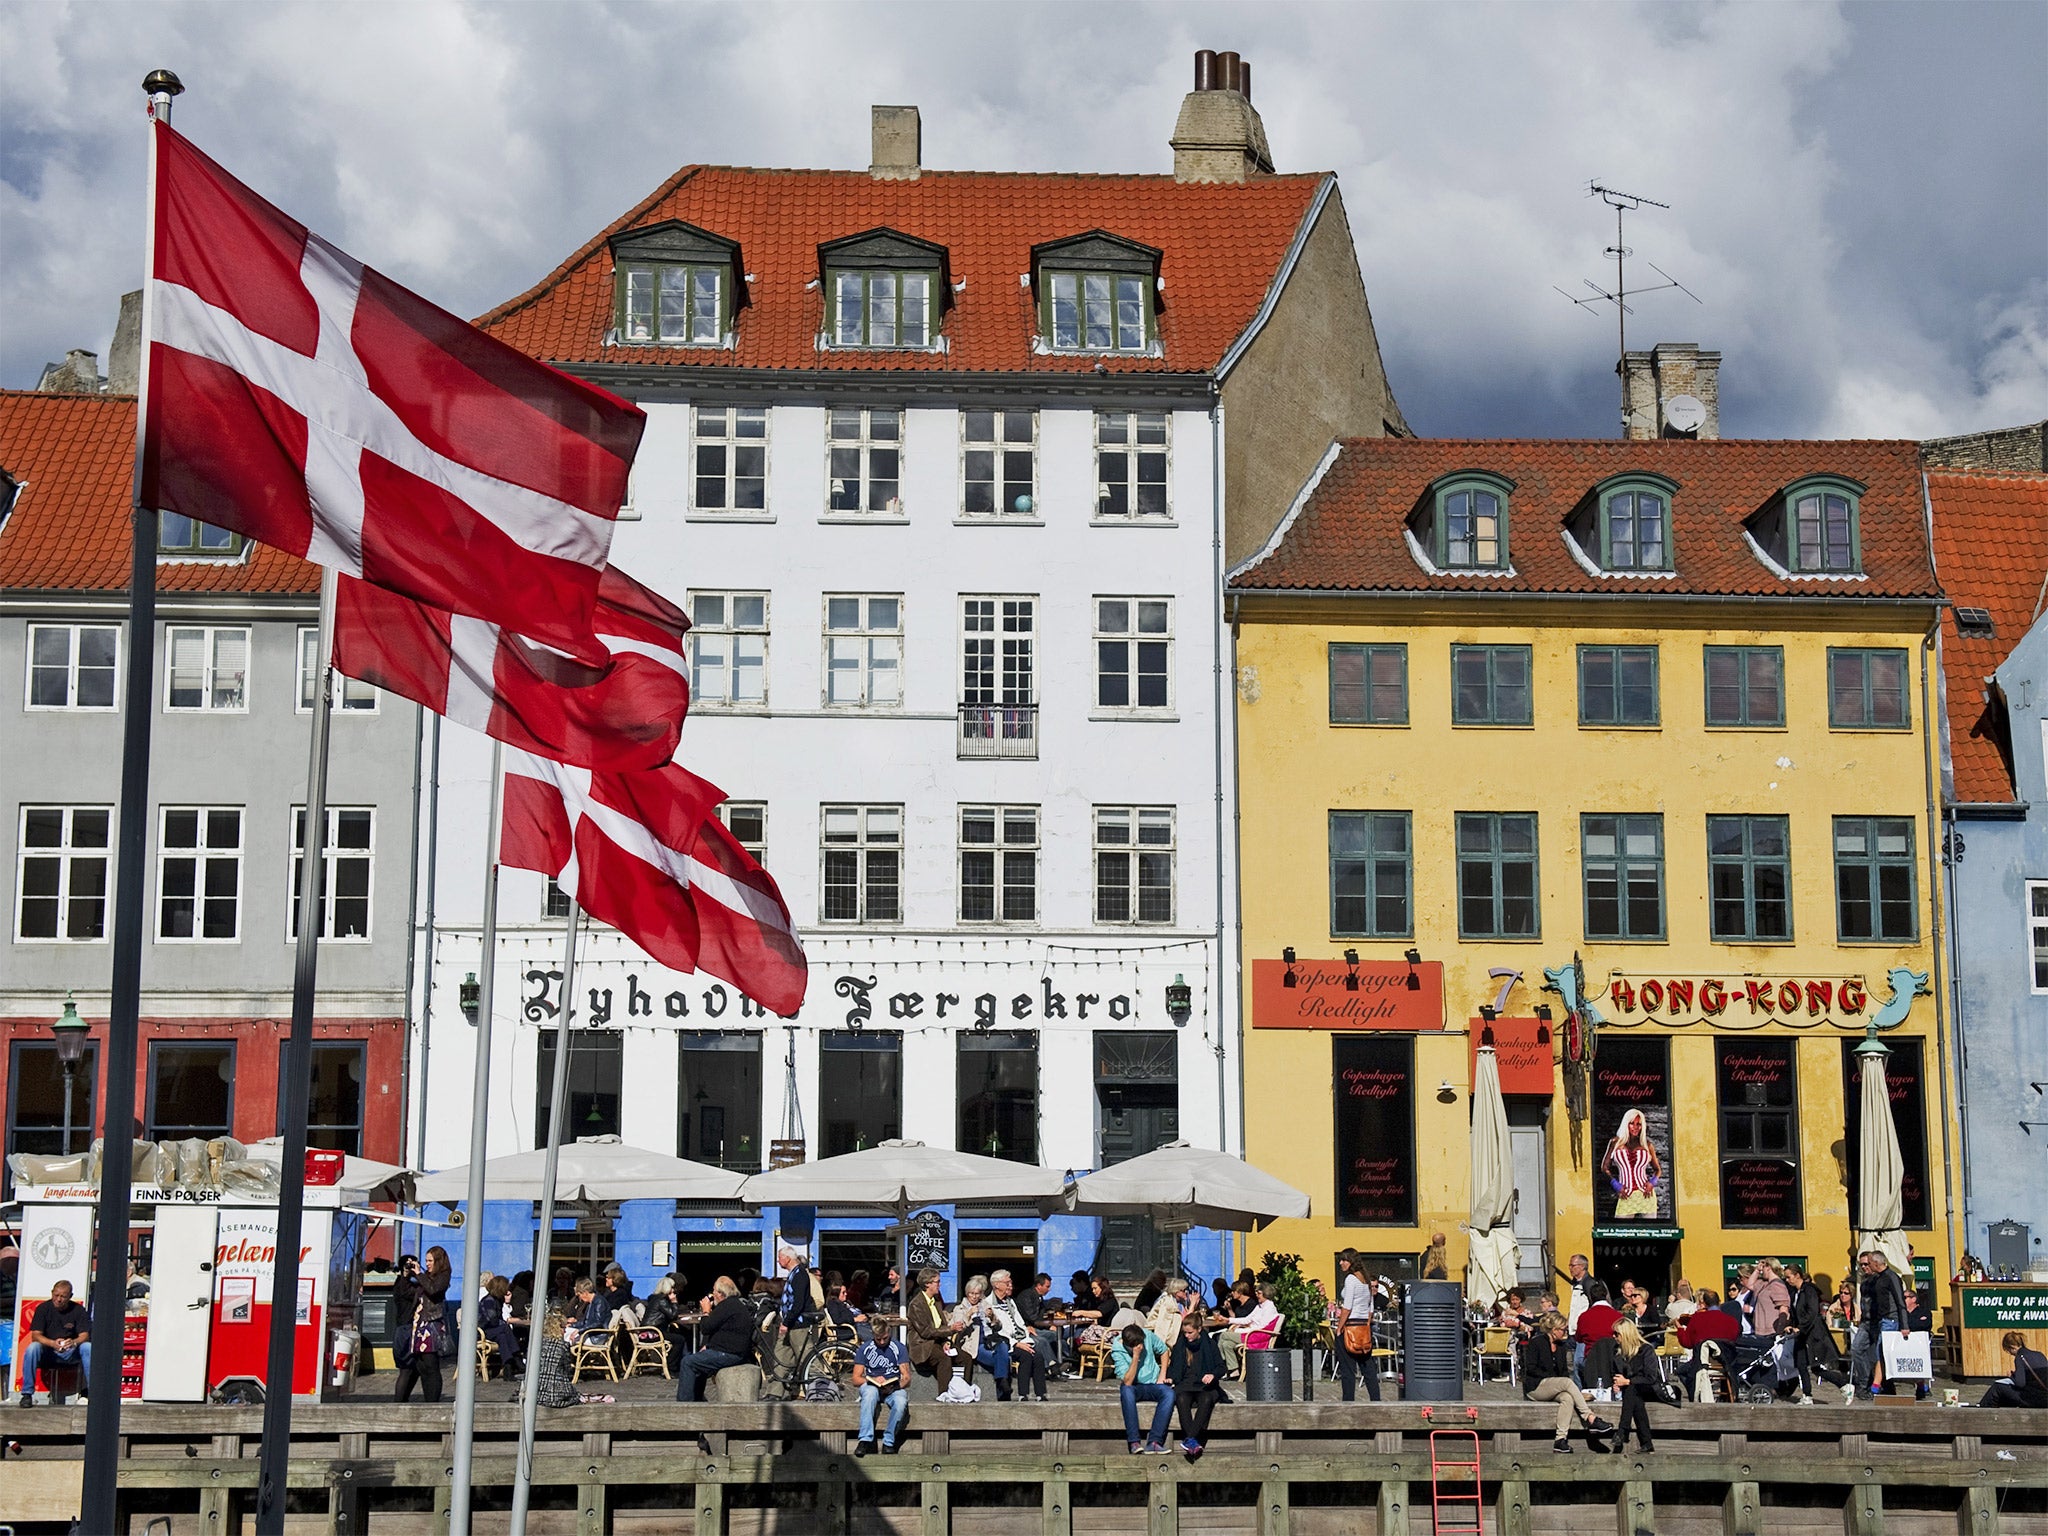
1388 995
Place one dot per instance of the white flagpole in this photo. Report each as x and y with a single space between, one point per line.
558 1111
473 1210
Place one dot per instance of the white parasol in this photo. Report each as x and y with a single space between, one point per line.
593 1169
1496 1254
1880 1168
1181 1186
902 1175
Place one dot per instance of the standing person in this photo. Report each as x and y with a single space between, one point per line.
1433 1263
2027 1385
427 1331
1580 1270
1882 1309
802 1308
59 1332
1194 1369
405 1295
1635 1377
1547 1378
1813 1347
1770 1300
934 1346
1136 1357
1354 1323
881 1374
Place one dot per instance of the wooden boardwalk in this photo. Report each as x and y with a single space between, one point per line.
1283 1469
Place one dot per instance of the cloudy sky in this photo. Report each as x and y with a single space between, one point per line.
1859 193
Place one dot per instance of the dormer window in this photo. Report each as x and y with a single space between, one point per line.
884 290
1624 525
187 537
676 286
1097 293
1811 527
1462 524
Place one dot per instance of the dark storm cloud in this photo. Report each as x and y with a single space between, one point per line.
1860 195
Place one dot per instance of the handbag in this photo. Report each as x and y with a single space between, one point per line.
429 1330
1358 1338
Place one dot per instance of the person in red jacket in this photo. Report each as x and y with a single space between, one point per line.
1698 1329
1595 1333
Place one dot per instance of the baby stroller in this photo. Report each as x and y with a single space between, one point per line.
1757 1368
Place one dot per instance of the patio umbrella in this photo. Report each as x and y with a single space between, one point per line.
902 1175
1496 1254
1181 1186
359 1175
592 1169
1881 1170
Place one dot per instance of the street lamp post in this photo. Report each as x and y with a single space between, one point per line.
70 1030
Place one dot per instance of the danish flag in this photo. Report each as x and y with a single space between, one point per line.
303 400
624 716
646 853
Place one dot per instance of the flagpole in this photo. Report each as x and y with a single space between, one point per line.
294 1087
529 1403
108 1298
473 1209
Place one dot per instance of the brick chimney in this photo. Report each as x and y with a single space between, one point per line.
1672 371
898 152
1218 135
124 363
78 374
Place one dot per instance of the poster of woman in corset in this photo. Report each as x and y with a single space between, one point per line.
1632 1165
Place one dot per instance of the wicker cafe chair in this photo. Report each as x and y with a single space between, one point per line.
1096 1355
650 1352
593 1350
486 1352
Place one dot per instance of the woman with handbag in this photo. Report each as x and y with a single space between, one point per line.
1354 1341
427 1330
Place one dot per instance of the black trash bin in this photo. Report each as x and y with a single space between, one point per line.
1268 1375
1433 1335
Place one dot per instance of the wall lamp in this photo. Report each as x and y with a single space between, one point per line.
1351 976
1287 977
469 996
1489 1013
1180 1000
1414 958
1445 1093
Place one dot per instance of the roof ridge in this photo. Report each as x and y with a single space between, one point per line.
1685 444
1994 476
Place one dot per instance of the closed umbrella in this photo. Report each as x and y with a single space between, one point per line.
1496 1254
1181 1186
592 1169
900 1176
1880 1168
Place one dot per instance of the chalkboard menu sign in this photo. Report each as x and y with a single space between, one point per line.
1902 1073
931 1242
1632 1130
1374 1079
1758 1087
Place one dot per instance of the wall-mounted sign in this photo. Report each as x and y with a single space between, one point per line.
1632 1129
1677 999
931 1242
1375 1120
1522 1048
1757 1083
1389 994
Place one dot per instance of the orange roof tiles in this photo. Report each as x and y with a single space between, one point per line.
1991 548
1348 537
1223 246
70 529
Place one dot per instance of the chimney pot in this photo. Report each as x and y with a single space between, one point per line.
1226 71
1244 78
1218 136
1205 69
898 144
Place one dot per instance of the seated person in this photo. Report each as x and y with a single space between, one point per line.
1135 1356
886 1300
1682 1302
1514 1315
1173 1300
934 1341
1547 1378
593 1309
2027 1386
59 1334
1256 1328
664 1313
728 1339
1010 1348
1219 1297
1194 1369
1595 1335
493 1324
839 1307
1037 1307
1706 1325
1081 1291
881 1374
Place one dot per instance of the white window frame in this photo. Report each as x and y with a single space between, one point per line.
1133 450
1068 286
731 810
69 854
653 275
871 651
731 418
866 841
2037 934
860 285
353 697
1132 849
863 445
331 855
729 634
212 635
1011 638
202 855
997 446
74 647
1000 848
1131 636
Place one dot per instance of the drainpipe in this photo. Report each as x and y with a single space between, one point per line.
1223 787
1948 1174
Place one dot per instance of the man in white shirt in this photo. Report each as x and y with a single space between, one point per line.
1580 1272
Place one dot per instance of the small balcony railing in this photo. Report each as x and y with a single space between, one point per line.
998 730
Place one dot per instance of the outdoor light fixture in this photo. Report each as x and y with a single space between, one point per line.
1486 1033
1445 1093
1543 1012
1489 1013
70 1030
1287 977
1351 976
1180 1000
1414 958
469 996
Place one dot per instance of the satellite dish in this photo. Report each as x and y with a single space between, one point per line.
1684 413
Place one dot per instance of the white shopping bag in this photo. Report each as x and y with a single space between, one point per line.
1908 1356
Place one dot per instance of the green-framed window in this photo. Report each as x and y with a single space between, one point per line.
1497 885
1368 684
1618 685
1745 685
1749 878
872 308
1490 685
1469 524
1622 861
1372 875
1823 532
1876 900
1635 528
671 304
1097 312
1867 690
177 534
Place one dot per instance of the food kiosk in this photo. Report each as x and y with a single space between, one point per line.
1982 1312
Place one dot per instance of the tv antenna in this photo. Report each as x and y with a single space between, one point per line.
1623 204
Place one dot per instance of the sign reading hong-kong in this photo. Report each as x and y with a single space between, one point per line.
1331 994
1710 997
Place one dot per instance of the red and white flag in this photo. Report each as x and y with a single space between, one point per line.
625 716
298 398
646 853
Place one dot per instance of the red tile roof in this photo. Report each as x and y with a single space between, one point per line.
1223 246
1991 549
1348 537
69 531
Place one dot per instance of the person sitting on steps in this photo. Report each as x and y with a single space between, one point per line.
1547 1378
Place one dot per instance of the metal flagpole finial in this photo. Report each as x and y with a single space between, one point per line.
160 85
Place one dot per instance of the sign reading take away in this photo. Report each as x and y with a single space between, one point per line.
1389 994
2008 1306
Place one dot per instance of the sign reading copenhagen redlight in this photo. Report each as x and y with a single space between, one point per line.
1331 994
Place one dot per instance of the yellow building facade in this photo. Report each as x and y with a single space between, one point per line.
1692 798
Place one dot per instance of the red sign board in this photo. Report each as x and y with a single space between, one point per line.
1389 994
1523 1050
